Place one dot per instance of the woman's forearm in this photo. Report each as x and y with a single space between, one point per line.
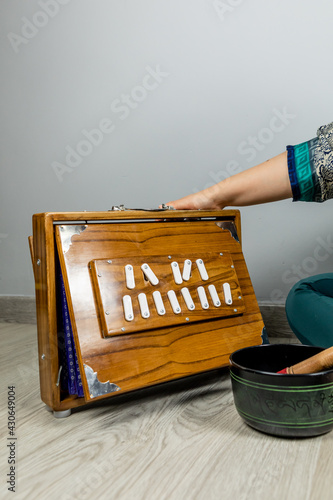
263 183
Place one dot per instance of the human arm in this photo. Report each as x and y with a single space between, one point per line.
303 173
268 181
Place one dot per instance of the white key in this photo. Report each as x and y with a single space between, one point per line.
188 299
187 269
143 305
202 297
176 273
159 303
149 274
202 269
174 302
214 295
227 294
128 309
130 283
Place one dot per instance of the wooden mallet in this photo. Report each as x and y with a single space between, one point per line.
317 363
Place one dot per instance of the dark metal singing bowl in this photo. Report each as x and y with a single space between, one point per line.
282 405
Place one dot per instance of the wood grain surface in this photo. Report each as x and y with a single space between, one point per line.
109 286
149 356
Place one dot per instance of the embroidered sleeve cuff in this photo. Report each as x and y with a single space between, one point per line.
302 172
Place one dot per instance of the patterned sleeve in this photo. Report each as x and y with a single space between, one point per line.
310 166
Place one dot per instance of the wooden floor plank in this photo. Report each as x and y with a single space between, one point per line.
182 440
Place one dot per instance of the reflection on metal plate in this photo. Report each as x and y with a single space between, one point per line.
67 232
97 388
230 226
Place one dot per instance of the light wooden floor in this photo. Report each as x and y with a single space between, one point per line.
178 441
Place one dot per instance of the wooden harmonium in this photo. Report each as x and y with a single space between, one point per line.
127 299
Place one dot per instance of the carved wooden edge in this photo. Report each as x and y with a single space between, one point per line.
138 214
32 255
45 291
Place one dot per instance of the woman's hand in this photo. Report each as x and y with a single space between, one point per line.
203 200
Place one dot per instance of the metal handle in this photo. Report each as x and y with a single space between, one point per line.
123 208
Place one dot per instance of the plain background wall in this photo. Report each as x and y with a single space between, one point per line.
224 72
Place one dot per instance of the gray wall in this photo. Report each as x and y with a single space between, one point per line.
178 89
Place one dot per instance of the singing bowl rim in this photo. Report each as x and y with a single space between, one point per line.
239 366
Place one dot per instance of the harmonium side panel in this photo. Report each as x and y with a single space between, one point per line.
128 361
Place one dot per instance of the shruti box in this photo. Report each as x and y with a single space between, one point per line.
131 298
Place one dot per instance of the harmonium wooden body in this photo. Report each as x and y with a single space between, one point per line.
127 299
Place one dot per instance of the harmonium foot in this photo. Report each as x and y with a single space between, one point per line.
131 298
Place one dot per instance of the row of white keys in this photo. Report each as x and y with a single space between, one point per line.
187 271
143 303
144 308
129 274
214 295
178 277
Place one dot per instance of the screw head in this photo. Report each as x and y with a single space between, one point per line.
109 261
107 313
38 262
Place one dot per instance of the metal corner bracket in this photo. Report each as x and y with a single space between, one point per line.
229 226
67 232
97 388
